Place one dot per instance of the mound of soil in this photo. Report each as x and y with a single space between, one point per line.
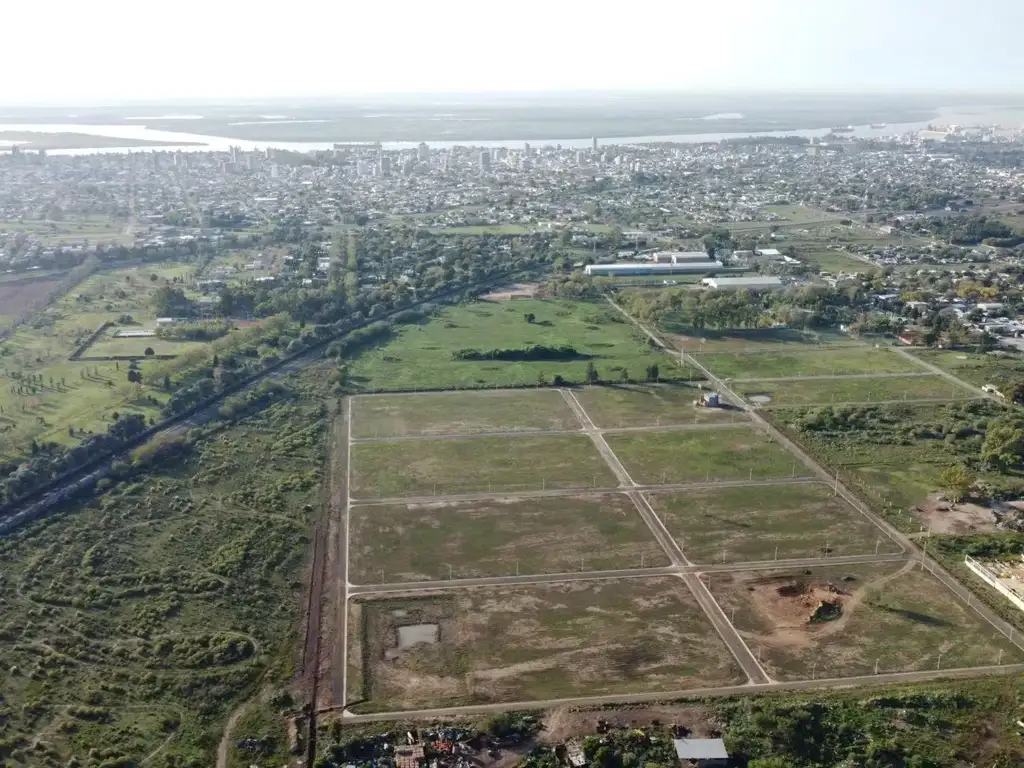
827 610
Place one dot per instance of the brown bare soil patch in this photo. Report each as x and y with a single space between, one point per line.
20 296
946 517
511 292
540 642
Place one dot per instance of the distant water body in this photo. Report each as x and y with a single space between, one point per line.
170 141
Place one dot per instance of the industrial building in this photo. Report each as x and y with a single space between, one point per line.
678 268
679 257
755 283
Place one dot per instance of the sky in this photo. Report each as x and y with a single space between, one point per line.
111 51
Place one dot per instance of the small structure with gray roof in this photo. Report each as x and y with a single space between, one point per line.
704 753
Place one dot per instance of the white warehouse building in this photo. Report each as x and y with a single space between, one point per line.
750 283
687 267
679 257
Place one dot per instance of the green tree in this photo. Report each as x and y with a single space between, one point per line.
592 375
1004 442
957 480
624 376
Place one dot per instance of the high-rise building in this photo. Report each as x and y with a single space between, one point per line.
485 160
528 150
384 164
594 140
423 152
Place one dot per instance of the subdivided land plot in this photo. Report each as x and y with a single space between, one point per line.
702 455
476 464
498 537
850 390
785 363
532 643
461 413
765 522
841 621
614 406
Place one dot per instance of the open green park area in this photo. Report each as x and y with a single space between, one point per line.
536 642
47 397
492 344
498 537
133 623
839 390
463 413
840 621
767 522
732 452
789 363
476 464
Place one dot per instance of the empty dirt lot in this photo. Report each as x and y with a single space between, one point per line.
537 642
498 537
839 621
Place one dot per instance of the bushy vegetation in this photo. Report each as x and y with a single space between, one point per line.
808 306
532 352
144 616
925 727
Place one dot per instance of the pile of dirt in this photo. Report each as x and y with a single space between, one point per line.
797 602
827 610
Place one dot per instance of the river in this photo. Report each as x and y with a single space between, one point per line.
171 141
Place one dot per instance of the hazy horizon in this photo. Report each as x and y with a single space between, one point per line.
112 52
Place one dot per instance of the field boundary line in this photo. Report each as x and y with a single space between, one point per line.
345 548
587 490
514 433
390 588
947 375
705 600
689 694
829 377
915 401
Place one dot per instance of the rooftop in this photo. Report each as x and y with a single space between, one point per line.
700 749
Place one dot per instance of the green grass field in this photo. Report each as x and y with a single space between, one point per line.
764 340
739 525
461 413
997 368
837 391
789 363
422 356
895 615
532 643
833 261
497 229
700 455
95 229
77 395
419 542
464 465
648 405
110 346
